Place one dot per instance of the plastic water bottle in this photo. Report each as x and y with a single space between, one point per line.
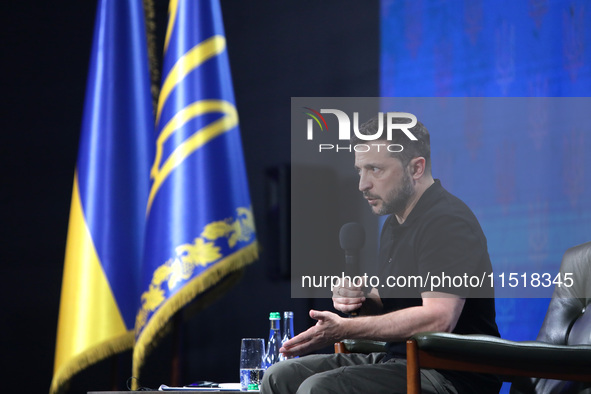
274 344
287 330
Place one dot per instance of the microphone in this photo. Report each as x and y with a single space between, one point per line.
352 238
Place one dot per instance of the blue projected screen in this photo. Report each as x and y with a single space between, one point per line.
529 180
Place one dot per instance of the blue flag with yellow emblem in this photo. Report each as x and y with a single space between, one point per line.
100 286
200 226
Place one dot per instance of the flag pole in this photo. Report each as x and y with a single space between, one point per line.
115 373
177 351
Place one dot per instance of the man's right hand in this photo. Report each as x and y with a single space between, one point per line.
347 298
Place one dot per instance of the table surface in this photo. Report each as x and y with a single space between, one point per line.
172 392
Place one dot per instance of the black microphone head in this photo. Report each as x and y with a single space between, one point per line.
352 236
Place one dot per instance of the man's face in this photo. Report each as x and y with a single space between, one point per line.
385 183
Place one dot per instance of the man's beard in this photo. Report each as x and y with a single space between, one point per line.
397 200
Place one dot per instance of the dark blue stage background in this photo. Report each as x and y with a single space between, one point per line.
530 185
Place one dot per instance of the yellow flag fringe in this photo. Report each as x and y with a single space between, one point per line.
154 328
89 357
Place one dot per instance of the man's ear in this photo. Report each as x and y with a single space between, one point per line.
417 167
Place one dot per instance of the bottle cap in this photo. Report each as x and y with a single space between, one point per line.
253 386
274 315
287 314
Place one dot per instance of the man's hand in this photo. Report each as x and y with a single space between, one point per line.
347 298
327 330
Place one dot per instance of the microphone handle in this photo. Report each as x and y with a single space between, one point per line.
351 264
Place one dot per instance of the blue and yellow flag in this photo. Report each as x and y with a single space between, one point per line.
100 285
200 226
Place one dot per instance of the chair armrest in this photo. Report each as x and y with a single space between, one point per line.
480 353
359 346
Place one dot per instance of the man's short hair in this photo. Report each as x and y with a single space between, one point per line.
411 149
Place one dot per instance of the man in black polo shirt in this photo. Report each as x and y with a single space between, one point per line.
429 233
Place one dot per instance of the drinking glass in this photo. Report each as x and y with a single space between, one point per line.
252 353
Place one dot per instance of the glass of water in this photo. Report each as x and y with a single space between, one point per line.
252 353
